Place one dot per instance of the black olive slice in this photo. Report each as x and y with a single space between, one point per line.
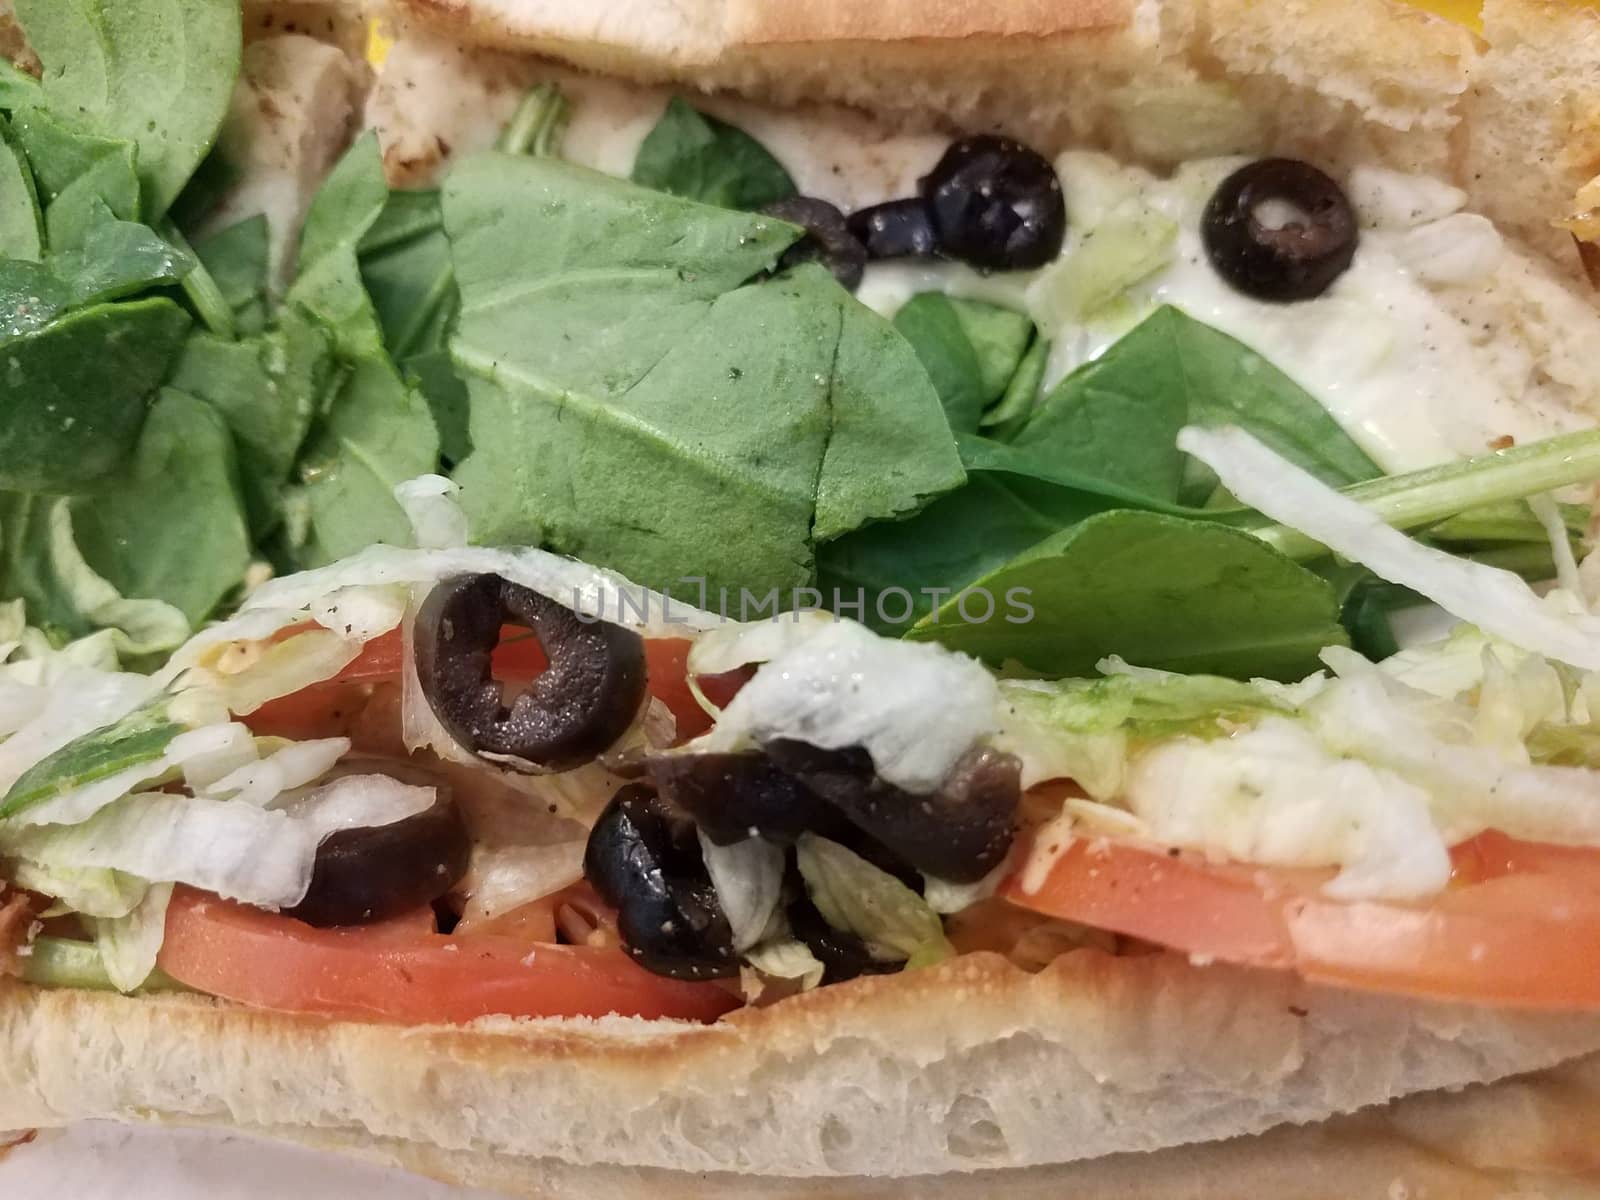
898 229
372 874
1294 258
996 204
959 833
736 796
644 860
581 704
828 238
843 955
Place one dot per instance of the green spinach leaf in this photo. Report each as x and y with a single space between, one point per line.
77 173
76 392
31 296
635 402
1011 412
377 430
170 525
41 565
199 288
1118 417
698 157
1160 591
267 388
21 225
970 350
238 260
377 434
157 73
118 259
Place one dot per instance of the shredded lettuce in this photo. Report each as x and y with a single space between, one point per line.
1496 601
914 707
748 878
92 891
787 959
128 945
853 895
261 856
1273 795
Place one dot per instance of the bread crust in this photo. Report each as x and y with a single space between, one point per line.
973 1065
1338 81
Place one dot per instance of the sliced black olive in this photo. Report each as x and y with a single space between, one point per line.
996 204
582 703
366 875
898 229
842 954
960 832
1294 257
735 796
643 859
828 238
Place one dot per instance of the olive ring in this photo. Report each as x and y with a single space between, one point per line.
569 714
1296 259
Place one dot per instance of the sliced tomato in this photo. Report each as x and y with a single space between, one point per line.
1519 925
395 972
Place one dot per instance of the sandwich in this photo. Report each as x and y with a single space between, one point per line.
872 600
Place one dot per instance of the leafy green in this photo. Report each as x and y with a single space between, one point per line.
378 434
75 392
1459 489
75 172
1144 703
118 259
377 431
238 259
1160 591
21 226
1014 407
157 73
170 525
31 296
405 264
41 565
970 350
538 125
859 898
202 291
139 738
1118 417
633 404
698 157
267 388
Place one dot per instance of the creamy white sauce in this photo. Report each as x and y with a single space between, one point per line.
1406 350
1388 357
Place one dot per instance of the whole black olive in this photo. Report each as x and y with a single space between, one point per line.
366 875
842 954
736 796
643 859
581 704
996 204
828 238
959 833
1295 257
898 229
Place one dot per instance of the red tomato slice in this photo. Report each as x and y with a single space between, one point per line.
393 972
1519 925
